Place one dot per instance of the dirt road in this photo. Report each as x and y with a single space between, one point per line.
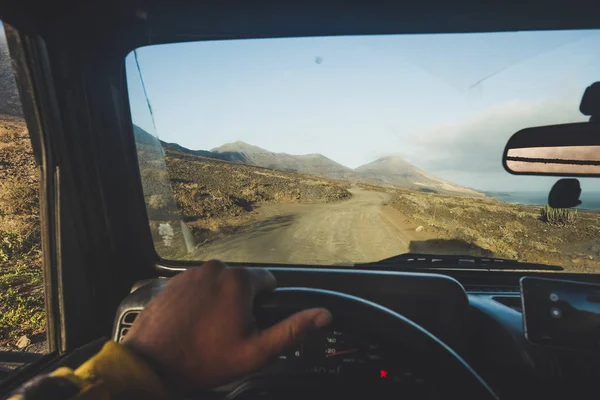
356 230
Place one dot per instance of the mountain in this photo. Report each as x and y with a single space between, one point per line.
396 171
314 164
240 147
244 153
145 138
388 171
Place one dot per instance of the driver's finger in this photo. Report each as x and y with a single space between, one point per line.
273 341
261 280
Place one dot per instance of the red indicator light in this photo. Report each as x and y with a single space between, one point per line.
383 374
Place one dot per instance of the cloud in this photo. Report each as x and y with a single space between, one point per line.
469 151
476 144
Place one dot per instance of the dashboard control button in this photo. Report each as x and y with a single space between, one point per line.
555 312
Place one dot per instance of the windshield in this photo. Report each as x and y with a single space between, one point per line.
346 150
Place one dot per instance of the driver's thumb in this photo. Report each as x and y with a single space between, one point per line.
273 341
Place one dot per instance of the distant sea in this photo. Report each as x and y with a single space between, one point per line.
590 200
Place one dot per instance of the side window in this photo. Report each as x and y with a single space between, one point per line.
22 311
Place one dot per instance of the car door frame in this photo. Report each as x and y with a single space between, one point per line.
95 237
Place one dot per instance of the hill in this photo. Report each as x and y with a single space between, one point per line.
396 171
490 227
244 153
389 171
314 164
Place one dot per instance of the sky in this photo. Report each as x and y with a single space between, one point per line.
446 103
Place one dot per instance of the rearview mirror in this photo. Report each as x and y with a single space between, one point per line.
559 150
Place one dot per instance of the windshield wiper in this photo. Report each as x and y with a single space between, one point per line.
437 261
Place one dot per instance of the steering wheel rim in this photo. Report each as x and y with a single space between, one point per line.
452 375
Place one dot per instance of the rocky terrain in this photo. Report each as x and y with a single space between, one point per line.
490 227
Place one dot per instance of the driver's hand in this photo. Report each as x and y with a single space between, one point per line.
199 331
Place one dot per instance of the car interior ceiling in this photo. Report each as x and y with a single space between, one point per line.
70 56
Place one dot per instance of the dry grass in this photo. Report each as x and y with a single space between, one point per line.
12 129
21 287
18 197
507 230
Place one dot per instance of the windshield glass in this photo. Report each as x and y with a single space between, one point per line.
345 150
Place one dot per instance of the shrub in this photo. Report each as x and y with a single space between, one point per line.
11 244
557 216
27 227
25 274
17 197
157 201
20 314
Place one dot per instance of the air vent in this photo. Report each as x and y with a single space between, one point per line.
513 302
492 289
126 322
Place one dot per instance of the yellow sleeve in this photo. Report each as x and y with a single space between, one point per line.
113 373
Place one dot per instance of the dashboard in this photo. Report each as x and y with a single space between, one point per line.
336 356
483 324
338 352
350 358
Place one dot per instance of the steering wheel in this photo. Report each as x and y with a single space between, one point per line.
445 369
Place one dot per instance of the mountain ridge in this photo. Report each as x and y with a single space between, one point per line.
392 170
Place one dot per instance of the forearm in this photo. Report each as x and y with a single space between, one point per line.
114 373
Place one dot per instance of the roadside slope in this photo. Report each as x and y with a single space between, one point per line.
490 227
